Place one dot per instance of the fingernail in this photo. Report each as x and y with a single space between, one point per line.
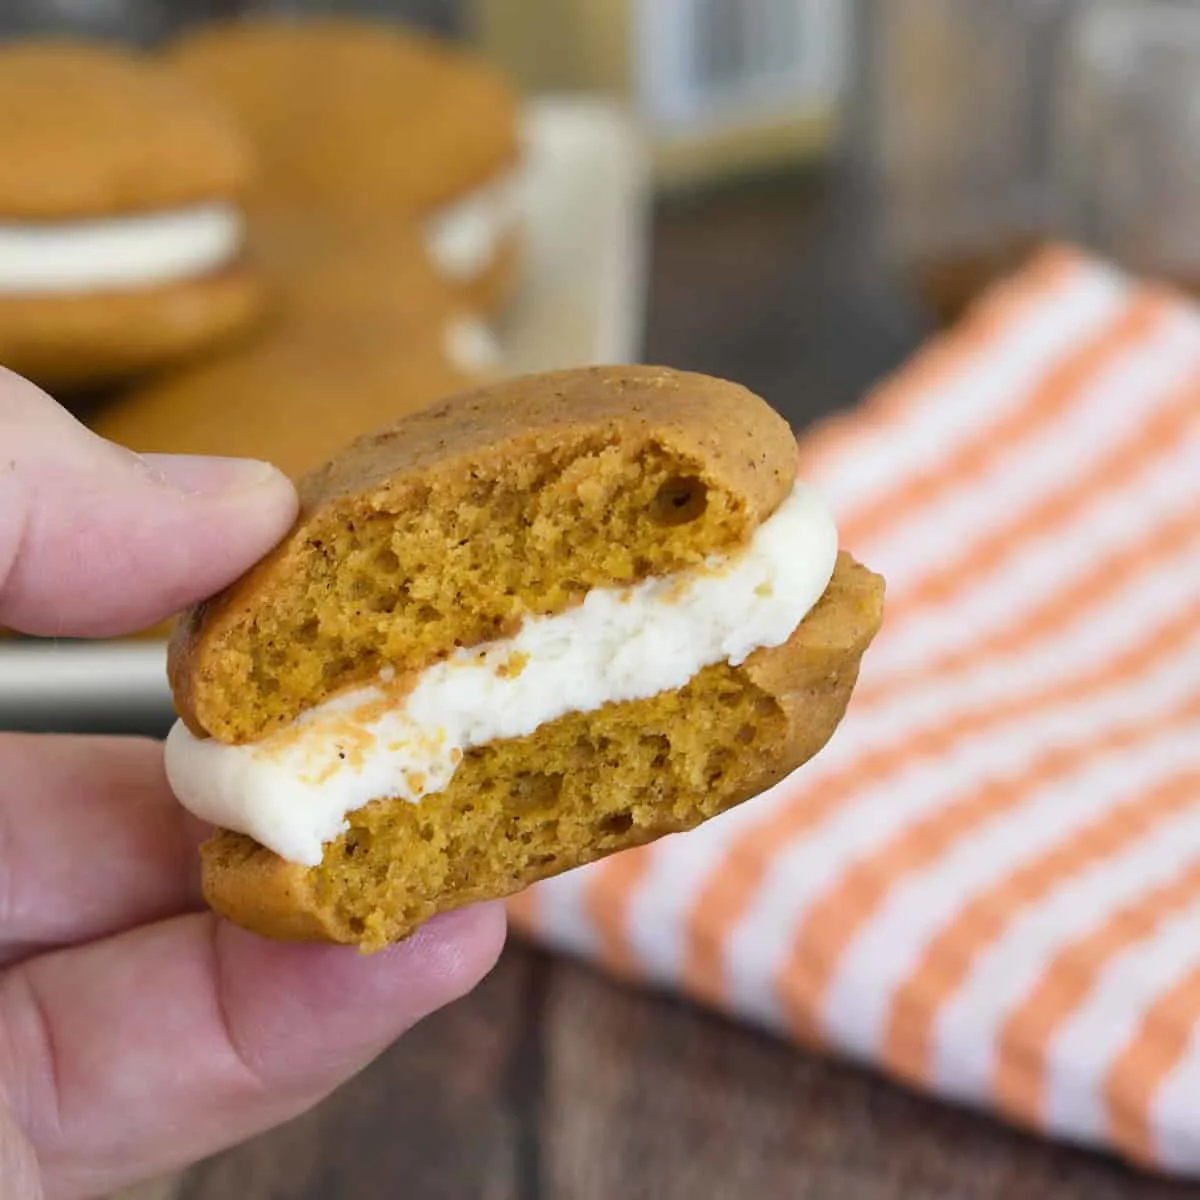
201 475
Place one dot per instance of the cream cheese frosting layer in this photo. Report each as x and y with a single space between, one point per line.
292 791
116 253
464 238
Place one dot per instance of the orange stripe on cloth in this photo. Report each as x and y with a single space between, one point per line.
950 957
836 918
1104 578
1023 1044
607 896
726 897
948 352
1118 466
1160 1042
523 911
1052 396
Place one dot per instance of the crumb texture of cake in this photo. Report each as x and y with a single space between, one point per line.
449 528
575 790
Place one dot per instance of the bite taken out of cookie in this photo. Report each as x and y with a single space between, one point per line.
532 625
121 229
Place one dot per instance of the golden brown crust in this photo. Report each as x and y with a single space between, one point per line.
742 444
810 677
734 442
70 341
90 130
416 124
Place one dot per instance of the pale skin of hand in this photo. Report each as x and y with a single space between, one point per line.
137 1031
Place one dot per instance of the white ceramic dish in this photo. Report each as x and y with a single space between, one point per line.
581 302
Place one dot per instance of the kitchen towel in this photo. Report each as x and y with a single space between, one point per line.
988 884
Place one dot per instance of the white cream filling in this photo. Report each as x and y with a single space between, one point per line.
292 790
464 238
118 252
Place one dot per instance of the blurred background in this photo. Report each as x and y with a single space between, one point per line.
980 127
819 186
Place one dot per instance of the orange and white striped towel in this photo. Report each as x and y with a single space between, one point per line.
988 884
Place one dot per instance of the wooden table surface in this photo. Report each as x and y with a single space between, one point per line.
551 1083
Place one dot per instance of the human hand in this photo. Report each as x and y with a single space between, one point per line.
137 1031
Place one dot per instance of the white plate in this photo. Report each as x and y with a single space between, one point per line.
581 302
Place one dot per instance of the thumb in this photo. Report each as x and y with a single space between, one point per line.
96 540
